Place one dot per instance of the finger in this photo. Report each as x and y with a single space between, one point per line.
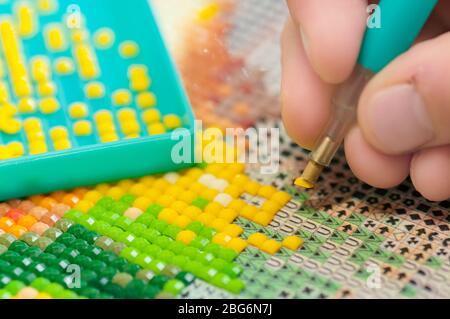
430 173
371 166
332 32
406 107
305 97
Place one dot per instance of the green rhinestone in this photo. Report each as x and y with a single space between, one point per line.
4 280
89 275
137 228
80 244
77 230
146 219
4 294
104 242
29 237
90 292
218 264
82 261
96 212
180 261
159 280
176 247
196 227
127 238
114 233
47 259
207 273
135 288
73 215
14 287
63 224
174 286
143 260
7 239
12 257
151 235
66 294
97 266
110 218
145 275
156 266
43 243
132 269
200 202
191 252
154 209
153 250
18 246
70 253
109 272
26 277
235 286
3 249
119 263
172 231
114 290
32 252
101 226
87 221
140 243
40 284
227 254
128 199
119 208
55 248
150 292
52 233
204 257
194 267
129 253
213 248
186 277
163 241
207 232
159 225
66 239
199 242
62 264
101 282
90 237
221 280
117 247
232 270
123 222
105 202
166 256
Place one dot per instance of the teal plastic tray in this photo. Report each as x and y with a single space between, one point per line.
89 162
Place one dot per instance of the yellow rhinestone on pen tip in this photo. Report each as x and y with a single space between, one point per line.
121 97
82 128
172 121
78 110
46 88
11 126
79 35
64 66
151 116
49 105
103 115
16 149
55 37
300 182
94 90
26 105
4 93
47 6
40 69
145 100
156 128
61 145
26 19
129 49
59 133
104 38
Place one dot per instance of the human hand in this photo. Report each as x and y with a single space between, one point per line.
404 112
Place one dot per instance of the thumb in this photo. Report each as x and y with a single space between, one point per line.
406 107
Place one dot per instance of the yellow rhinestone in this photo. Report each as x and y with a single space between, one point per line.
16 149
94 90
151 116
82 128
27 105
62 145
49 105
145 100
104 38
172 121
11 126
46 88
129 49
78 110
59 133
155 129
121 97
64 66
38 147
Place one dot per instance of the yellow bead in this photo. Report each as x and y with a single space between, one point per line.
187 196
206 219
129 49
151 116
233 230
103 116
47 6
228 214
168 214
93 196
192 212
78 110
208 12
104 38
79 35
84 206
94 90
145 100
186 236
213 208
267 191
26 105
59 133
292 242
270 246
237 244
234 191
270 207
115 192
257 239
156 129
64 66
32 124
126 184
38 147
109 137
26 20
182 221
152 194
137 71
237 204
5 153
138 189
82 128
8 110
130 128
43 295
46 88
263 218
221 239
62 145
251 187
140 84
11 126
179 206
48 105
165 200
210 194
142 203
126 114
103 188
16 149
121 97
4 93
172 121
147 180
281 198
219 224
55 38
249 211
40 69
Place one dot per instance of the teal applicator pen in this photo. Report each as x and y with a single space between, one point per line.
401 22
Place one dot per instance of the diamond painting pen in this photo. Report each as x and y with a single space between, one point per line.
401 22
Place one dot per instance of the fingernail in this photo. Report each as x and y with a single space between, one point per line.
399 119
